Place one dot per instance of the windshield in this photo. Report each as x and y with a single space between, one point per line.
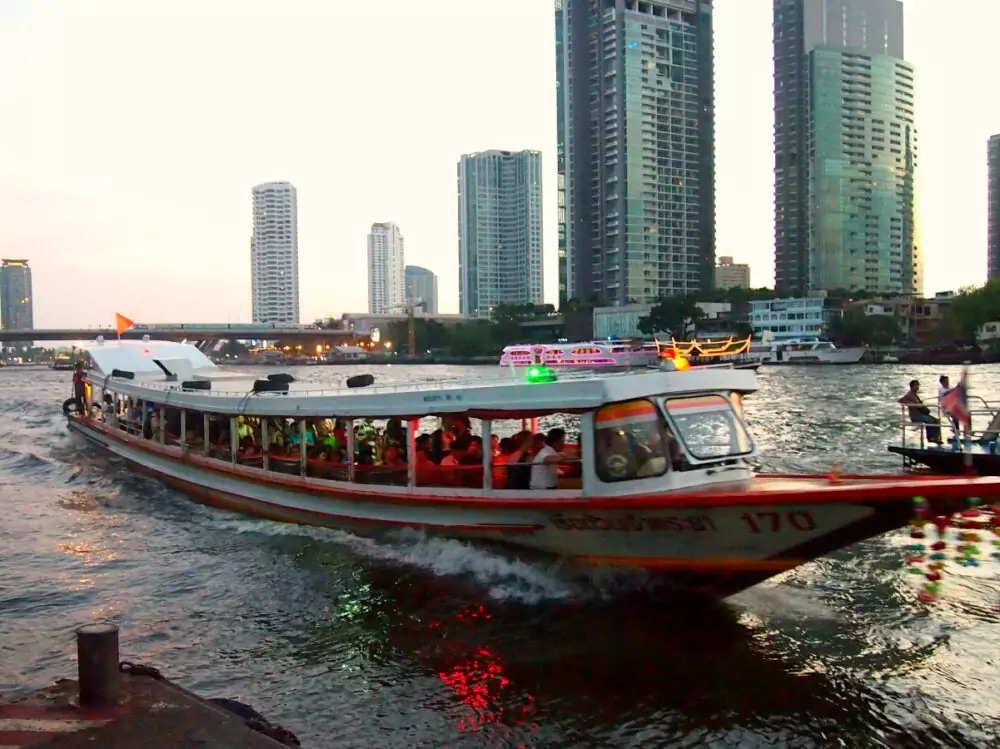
708 426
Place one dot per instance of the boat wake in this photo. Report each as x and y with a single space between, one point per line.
503 577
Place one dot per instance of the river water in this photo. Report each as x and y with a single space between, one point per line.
405 642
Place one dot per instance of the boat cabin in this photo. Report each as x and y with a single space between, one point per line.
613 434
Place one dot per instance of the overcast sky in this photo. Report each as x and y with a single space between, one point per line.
133 130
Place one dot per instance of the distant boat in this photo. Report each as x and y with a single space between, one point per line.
803 351
62 362
611 355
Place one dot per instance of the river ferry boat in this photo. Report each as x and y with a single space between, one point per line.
605 355
659 478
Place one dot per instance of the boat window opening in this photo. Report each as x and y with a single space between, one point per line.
708 427
516 442
632 441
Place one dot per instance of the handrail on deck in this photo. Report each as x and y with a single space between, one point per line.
414 386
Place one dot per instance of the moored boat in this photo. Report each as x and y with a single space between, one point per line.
605 355
62 362
803 351
659 478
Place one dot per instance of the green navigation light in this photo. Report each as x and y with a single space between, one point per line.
537 374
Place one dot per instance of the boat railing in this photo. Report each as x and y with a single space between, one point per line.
979 408
403 387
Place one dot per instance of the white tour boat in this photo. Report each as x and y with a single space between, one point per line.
658 478
607 355
803 351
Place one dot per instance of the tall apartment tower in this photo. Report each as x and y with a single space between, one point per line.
274 254
386 281
993 209
636 148
499 230
16 305
845 144
422 286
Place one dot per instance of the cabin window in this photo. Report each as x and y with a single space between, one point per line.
708 426
632 441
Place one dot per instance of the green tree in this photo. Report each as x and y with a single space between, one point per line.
972 307
858 329
675 315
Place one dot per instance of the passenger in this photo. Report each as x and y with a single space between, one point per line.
504 451
295 436
945 387
519 462
459 449
494 445
545 464
392 457
452 461
80 389
616 460
428 473
920 414
437 449
475 454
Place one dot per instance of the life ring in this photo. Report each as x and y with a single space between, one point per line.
69 405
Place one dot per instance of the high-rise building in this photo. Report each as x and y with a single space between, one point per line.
636 148
993 209
499 230
386 282
274 254
845 145
730 275
16 306
422 286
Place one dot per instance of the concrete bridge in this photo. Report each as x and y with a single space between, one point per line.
192 332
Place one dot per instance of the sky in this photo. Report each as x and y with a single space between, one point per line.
133 131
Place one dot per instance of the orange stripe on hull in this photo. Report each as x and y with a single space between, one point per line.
773 566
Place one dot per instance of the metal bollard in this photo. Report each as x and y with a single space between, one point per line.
97 664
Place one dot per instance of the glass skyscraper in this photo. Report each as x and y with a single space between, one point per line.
993 209
499 230
17 310
845 149
636 139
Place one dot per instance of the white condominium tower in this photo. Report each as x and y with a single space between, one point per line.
386 278
499 230
274 254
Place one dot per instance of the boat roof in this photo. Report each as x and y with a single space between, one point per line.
503 396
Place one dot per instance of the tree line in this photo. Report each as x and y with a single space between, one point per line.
680 315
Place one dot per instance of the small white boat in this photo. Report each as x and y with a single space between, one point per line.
656 476
803 351
607 355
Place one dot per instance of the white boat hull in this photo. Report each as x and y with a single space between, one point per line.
712 539
851 355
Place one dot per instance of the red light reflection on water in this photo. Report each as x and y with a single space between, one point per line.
480 682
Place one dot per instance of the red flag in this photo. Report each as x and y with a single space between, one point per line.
955 402
122 323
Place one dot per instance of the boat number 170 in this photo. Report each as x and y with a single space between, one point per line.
774 522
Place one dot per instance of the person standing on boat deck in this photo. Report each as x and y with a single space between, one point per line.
545 464
920 414
80 389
